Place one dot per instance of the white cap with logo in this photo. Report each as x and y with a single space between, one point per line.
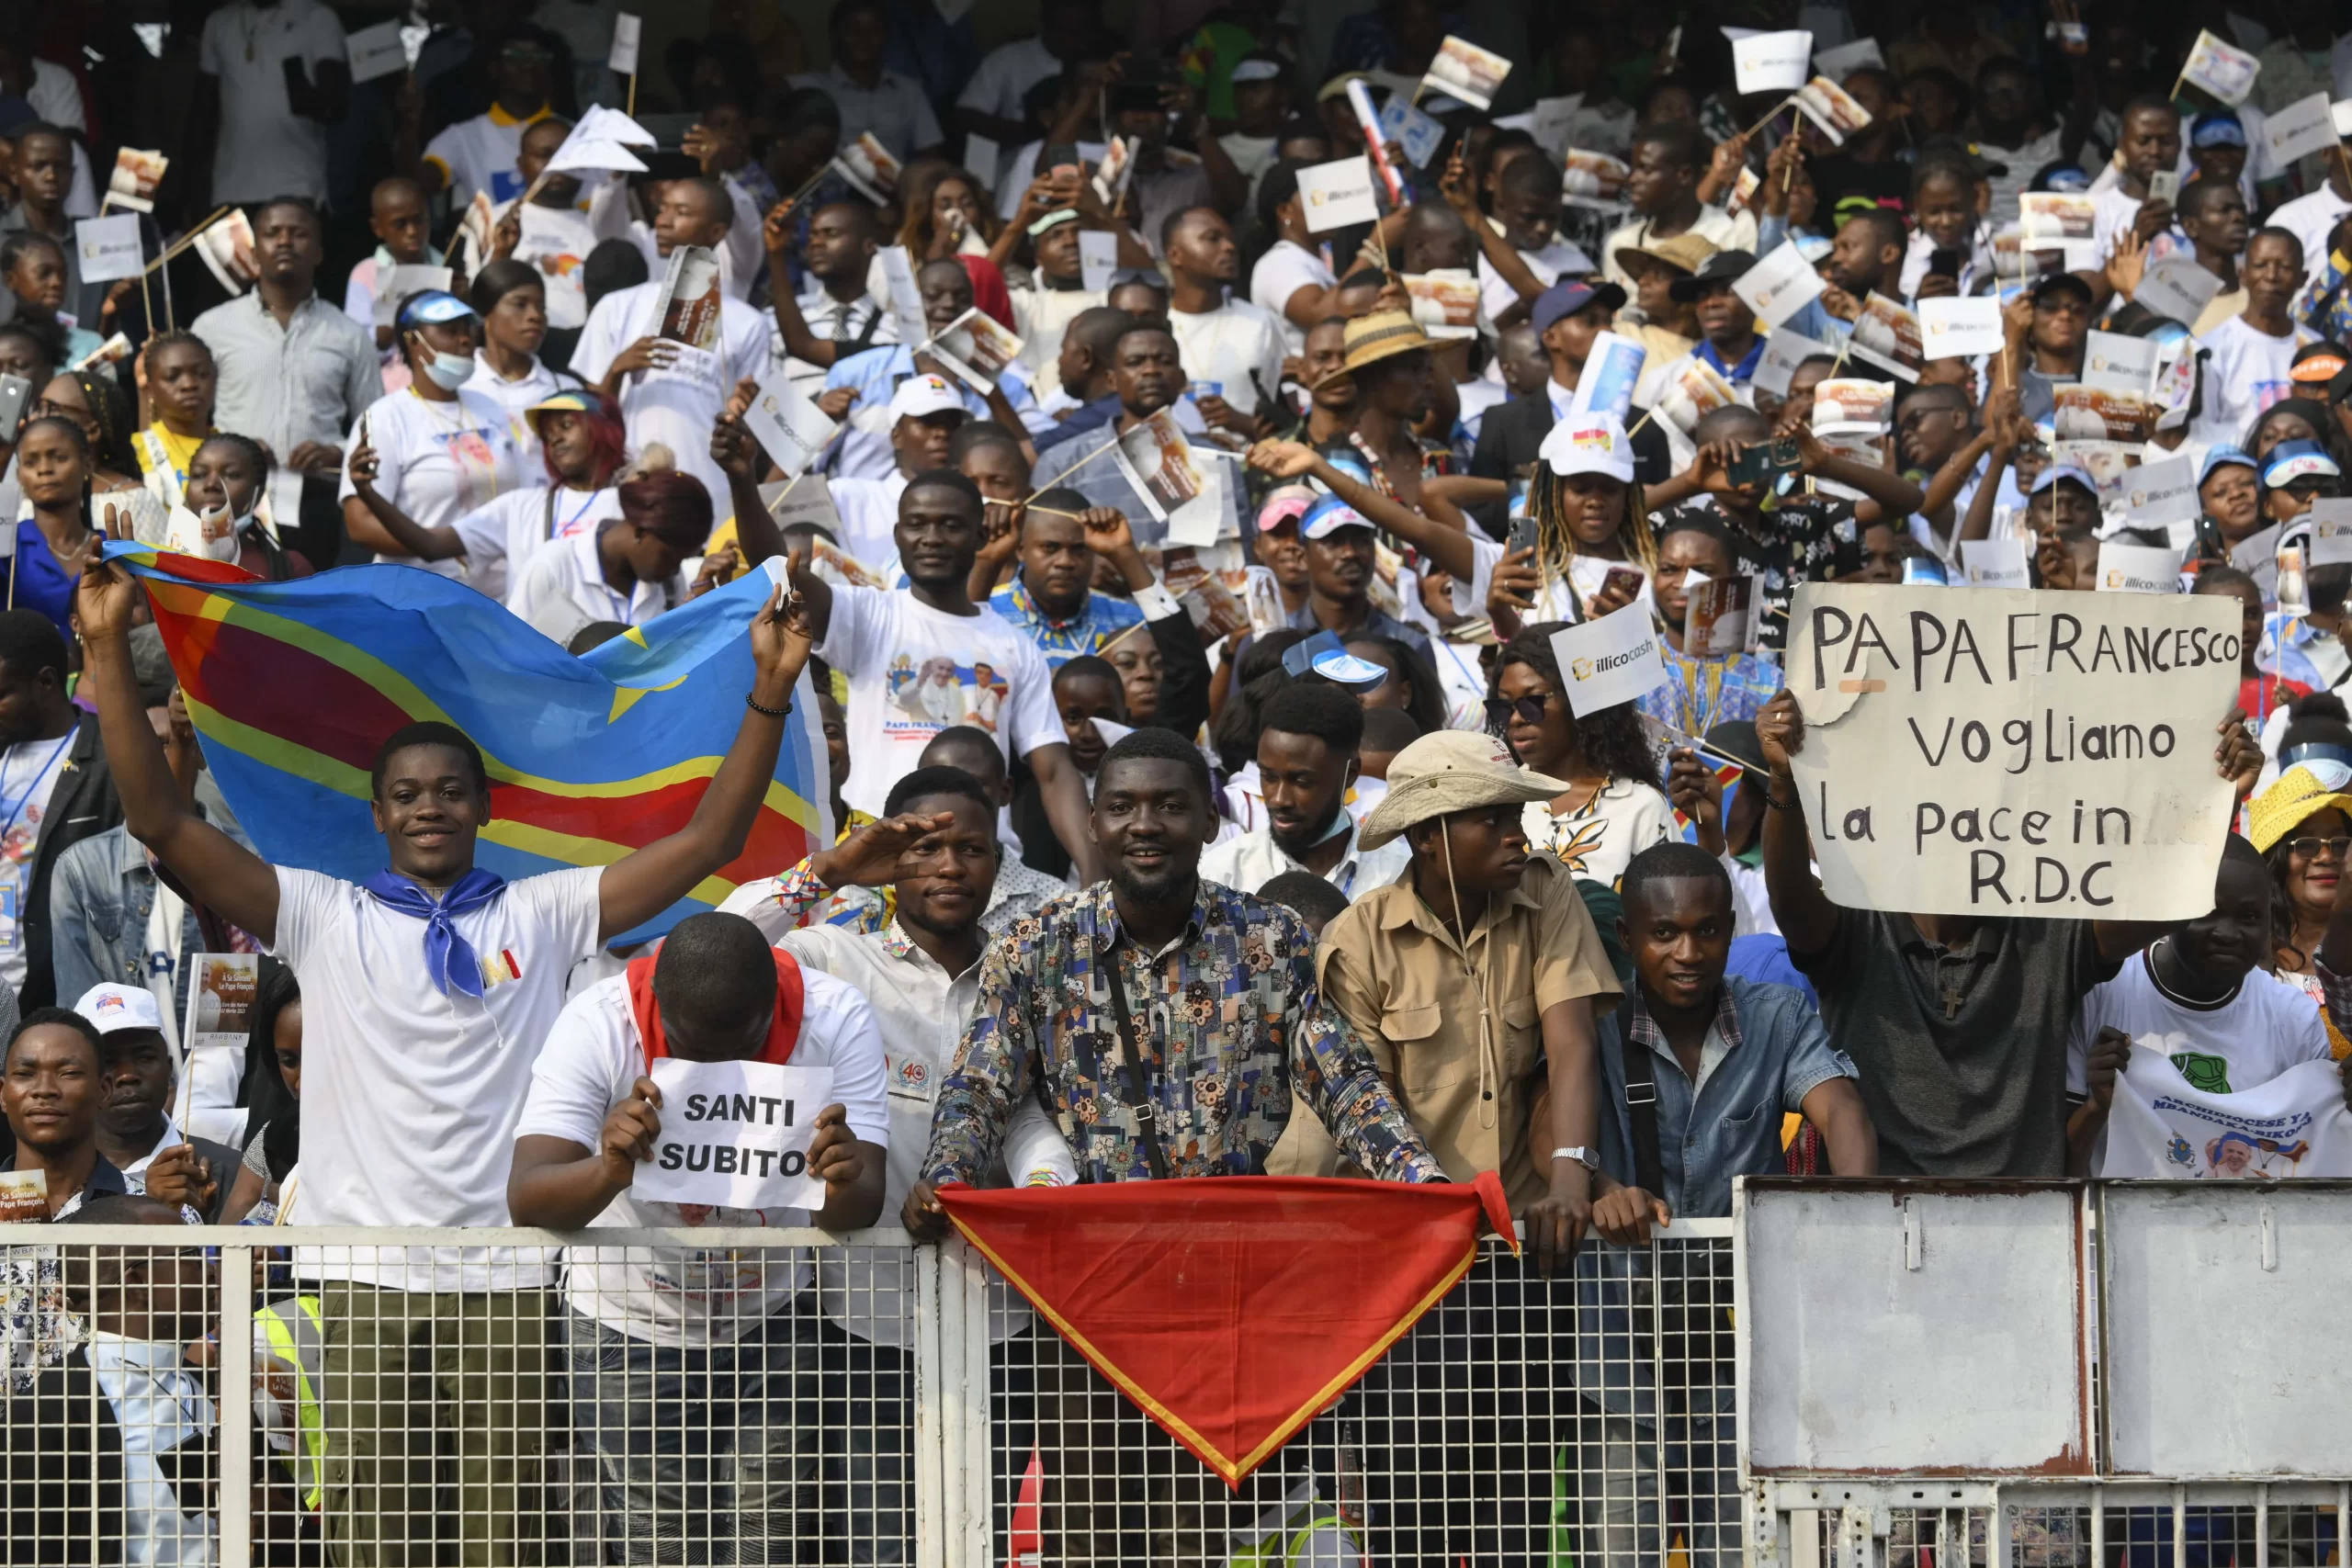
918 396
110 1006
1591 443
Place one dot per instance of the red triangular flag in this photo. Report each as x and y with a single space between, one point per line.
1231 1310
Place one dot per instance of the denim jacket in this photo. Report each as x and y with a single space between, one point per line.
99 899
1732 1125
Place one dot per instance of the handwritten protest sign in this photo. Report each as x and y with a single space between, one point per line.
735 1136
2162 1126
2002 752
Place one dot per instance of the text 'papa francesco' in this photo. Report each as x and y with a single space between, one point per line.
2035 643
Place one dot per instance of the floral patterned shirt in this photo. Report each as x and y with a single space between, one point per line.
1230 1020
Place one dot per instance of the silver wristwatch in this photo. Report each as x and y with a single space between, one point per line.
1582 1155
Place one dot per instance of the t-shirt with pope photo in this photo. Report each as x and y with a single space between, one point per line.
914 671
2260 1031
690 1296
439 461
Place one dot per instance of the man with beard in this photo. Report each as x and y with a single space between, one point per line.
1222 987
1306 763
1147 374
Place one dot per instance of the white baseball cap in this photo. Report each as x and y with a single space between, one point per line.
920 395
110 1007
1589 443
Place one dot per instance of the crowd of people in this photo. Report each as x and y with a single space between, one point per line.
1253 834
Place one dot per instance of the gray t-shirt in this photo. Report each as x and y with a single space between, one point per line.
1963 1050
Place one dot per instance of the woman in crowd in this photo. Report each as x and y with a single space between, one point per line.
1412 682
2229 492
228 488
580 439
1614 808
178 381
53 472
102 410
273 1087
511 297
33 266
944 215
2302 825
1587 520
2291 419
440 449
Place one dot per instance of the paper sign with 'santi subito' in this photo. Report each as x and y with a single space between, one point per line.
1338 194
1613 660
1997 752
735 1136
1949 329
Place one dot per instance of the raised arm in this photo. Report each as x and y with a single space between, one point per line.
638 887
775 233
737 455
1463 196
1066 807
1450 547
372 520
234 880
1891 497
1808 920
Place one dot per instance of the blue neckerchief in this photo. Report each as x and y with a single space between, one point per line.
1738 375
448 957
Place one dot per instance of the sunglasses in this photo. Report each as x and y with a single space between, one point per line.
2309 848
1527 710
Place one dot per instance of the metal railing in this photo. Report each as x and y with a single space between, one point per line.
187 1396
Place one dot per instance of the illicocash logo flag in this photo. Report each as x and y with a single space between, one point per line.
293 685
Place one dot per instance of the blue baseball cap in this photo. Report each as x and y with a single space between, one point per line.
2050 477
2292 460
2226 458
431 307
1565 299
1328 516
2217 127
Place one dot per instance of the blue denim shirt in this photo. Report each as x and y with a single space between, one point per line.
99 897
1731 1126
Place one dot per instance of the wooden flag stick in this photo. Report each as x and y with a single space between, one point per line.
1768 120
1107 446
184 240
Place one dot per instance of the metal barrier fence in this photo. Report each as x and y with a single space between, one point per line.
2047 1374
272 1396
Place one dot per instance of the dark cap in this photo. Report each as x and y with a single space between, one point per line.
2052 281
1721 267
1565 298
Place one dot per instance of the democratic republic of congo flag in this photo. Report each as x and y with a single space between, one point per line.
293 685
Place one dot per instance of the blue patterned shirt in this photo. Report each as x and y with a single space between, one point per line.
1699 694
1230 1019
1101 618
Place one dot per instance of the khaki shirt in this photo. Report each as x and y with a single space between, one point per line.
1465 1073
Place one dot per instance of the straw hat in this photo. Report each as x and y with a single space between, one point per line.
2300 794
1684 253
1382 335
1450 770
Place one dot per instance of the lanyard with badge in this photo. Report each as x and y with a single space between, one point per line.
12 891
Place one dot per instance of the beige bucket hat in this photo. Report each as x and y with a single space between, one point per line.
1450 770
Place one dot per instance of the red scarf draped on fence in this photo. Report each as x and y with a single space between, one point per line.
1231 1310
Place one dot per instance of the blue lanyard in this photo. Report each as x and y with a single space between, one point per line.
26 799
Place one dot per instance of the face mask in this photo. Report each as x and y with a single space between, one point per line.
449 371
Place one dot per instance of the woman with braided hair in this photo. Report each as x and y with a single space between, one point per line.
102 410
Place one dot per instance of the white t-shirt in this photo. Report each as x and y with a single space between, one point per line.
518 398
1281 272
2267 1027
678 406
502 537
563 591
2312 219
914 671
688 1296
1040 318
479 154
869 514
410 1096
438 461
29 775
1222 347
2249 371
264 148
